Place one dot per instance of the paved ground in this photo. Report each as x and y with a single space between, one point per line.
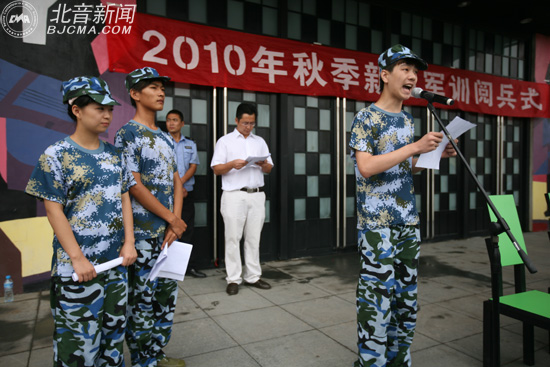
308 317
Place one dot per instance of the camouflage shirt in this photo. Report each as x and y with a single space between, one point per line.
151 154
387 198
89 184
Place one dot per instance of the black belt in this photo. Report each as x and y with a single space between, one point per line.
250 191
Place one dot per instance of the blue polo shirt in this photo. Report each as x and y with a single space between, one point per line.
186 153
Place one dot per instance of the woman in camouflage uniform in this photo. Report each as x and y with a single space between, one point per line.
84 185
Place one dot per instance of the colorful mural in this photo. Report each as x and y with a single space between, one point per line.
541 141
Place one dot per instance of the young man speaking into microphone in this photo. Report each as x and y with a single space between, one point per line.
382 148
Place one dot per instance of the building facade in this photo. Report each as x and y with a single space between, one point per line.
311 192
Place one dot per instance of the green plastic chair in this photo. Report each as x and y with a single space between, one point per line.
530 307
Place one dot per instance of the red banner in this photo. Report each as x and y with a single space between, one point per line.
197 54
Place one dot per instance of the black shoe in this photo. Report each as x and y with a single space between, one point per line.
232 289
195 273
259 284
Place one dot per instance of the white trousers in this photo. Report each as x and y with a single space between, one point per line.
243 214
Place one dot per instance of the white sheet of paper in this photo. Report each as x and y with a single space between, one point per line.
158 265
103 267
252 160
456 128
172 261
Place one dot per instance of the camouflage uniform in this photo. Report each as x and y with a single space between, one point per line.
89 317
89 185
386 295
388 241
151 305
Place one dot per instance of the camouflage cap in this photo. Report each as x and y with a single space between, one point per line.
400 52
91 86
141 74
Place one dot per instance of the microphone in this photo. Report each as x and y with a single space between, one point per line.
431 97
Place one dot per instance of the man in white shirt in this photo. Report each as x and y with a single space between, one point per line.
243 198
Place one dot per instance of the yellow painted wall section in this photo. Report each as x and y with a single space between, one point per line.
539 202
33 237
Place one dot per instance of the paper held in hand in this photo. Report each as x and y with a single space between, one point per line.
456 128
102 267
172 262
252 160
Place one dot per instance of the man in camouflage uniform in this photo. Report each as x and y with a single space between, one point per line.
382 143
84 184
157 200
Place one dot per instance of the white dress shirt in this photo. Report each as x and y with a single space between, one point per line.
235 146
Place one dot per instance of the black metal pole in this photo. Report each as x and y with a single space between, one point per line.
504 226
492 323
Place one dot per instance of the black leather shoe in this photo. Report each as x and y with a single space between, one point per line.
232 289
195 273
259 284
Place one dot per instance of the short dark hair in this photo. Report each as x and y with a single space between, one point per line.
139 86
246 108
177 112
81 102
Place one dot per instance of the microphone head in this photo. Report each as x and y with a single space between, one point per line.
417 92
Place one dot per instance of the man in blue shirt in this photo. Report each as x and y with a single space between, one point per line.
187 160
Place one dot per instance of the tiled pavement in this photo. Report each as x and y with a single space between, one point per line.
308 317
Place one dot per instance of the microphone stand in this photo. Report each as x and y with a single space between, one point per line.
501 225
491 310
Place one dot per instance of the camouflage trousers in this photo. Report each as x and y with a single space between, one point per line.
151 306
89 319
386 296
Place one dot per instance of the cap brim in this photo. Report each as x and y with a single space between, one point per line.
103 100
420 64
417 61
163 78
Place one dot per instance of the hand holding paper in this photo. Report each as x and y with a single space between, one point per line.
102 267
172 262
253 160
456 128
